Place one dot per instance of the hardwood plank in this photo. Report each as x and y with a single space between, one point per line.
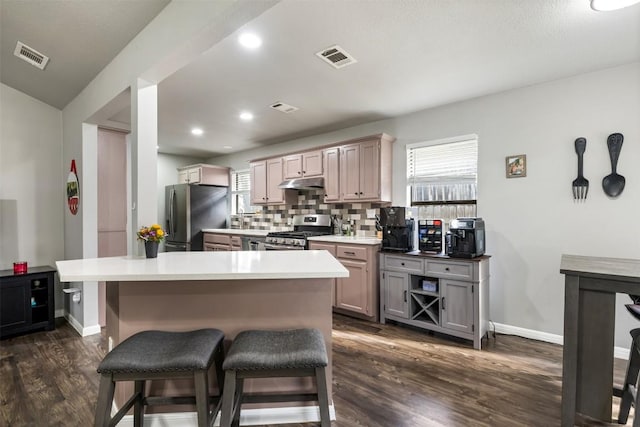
384 376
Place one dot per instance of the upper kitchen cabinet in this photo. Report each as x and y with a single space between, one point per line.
331 174
204 174
266 175
365 169
307 165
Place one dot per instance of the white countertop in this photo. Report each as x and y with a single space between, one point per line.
241 232
216 265
357 240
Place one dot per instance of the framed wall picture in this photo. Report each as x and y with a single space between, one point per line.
516 166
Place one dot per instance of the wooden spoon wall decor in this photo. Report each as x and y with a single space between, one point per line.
613 184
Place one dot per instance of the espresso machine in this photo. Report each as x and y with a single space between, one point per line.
465 238
397 231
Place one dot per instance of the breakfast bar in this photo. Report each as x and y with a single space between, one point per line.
231 291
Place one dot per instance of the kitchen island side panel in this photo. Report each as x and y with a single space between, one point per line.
229 305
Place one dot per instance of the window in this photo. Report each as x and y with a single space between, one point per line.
241 192
443 172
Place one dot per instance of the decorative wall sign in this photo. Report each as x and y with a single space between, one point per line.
516 166
73 189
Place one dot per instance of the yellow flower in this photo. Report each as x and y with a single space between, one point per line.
160 233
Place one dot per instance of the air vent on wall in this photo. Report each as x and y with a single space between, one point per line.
30 55
285 108
336 56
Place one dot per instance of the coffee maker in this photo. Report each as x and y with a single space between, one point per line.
397 231
465 238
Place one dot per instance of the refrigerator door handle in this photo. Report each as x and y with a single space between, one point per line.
172 198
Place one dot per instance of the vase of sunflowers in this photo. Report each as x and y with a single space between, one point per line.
151 236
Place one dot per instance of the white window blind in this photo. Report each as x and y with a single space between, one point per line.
241 192
446 172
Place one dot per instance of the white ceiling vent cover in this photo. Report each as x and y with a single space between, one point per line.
30 55
336 56
285 108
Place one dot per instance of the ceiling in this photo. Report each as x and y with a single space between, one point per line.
411 55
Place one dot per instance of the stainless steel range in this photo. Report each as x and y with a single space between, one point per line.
304 226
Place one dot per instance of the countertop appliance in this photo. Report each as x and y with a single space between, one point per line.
190 208
466 238
397 231
430 236
304 226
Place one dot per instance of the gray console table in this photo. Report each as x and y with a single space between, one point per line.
591 284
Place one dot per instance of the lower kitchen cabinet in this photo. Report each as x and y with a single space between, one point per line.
221 242
26 301
357 294
446 295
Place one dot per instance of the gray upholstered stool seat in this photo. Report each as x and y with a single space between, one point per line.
151 355
263 354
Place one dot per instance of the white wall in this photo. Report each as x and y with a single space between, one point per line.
32 182
531 221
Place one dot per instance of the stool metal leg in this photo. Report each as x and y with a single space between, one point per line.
630 383
323 397
202 397
105 400
238 405
138 408
228 399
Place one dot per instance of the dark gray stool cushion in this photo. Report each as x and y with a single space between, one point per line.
290 349
162 351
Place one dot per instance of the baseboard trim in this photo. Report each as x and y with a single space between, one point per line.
618 352
248 417
84 332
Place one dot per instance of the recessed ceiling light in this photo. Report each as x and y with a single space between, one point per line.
246 116
197 131
250 40
227 147
606 5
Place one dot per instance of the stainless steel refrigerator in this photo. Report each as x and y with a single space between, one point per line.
189 209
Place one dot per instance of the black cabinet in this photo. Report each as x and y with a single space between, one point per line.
26 301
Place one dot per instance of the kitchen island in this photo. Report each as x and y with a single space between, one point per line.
230 291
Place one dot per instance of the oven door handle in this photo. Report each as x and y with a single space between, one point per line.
272 247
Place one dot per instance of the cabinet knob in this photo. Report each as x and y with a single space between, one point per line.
402 264
361 193
304 171
299 173
446 268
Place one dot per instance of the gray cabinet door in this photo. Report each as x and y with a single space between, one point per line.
396 294
456 305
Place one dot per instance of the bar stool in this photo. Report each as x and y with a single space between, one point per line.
269 354
629 395
153 355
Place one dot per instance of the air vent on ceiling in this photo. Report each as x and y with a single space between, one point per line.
30 55
285 108
336 56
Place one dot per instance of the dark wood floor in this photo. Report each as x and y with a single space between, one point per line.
384 376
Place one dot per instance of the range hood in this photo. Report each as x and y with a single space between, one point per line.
302 183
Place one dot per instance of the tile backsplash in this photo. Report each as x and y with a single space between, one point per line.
278 217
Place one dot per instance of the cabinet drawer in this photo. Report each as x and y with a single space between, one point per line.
220 239
236 241
323 246
403 264
351 252
450 269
